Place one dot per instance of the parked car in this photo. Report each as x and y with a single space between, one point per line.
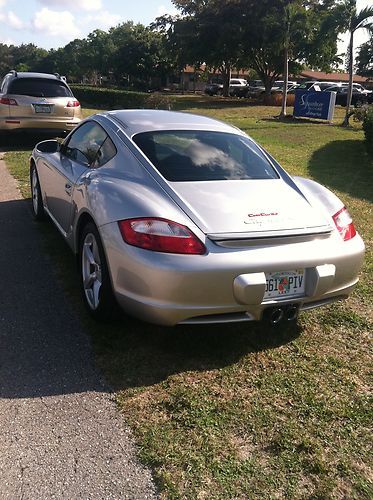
279 84
255 89
184 219
357 99
38 102
214 89
293 88
314 85
236 85
358 88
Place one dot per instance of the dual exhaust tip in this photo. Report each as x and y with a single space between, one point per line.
276 315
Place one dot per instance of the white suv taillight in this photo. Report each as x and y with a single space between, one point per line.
8 102
73 104
160 235
343 221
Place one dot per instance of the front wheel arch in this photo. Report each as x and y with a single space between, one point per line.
36 196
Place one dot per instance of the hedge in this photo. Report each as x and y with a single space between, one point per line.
99 97
368 130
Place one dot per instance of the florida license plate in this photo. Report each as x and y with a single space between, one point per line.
42 108
283 284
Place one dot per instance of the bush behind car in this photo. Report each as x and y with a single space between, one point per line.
368 130
109 97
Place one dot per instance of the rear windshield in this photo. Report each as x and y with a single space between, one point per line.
39 87
204 156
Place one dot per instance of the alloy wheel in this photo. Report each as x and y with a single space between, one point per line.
91 271
35 191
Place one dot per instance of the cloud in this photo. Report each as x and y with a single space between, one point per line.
162 11
103 20
74 4
56 23
2 3
15 21
12 20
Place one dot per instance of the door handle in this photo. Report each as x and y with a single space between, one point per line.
68 188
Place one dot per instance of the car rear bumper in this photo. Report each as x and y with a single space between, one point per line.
46 124
169 289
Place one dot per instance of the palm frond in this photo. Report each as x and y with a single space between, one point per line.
363 19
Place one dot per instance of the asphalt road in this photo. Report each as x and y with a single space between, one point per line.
61 436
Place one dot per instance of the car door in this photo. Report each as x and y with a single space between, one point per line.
78 154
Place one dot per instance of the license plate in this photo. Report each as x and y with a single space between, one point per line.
43 108
283 284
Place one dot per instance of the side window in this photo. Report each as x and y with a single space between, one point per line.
105 153
85 143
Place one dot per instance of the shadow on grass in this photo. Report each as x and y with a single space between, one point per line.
133 354
203 102
344 166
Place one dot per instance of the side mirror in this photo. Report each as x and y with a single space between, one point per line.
51 146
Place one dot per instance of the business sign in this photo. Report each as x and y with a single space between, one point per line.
318 105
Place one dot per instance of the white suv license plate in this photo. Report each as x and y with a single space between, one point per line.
284 284
43 108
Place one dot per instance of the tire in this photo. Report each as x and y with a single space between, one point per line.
95 282
37 201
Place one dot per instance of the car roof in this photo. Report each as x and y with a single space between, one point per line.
135 121
29 74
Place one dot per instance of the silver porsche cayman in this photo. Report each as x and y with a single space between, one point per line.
180 218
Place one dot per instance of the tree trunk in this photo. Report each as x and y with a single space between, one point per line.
350 79
286 79
268 84
226 79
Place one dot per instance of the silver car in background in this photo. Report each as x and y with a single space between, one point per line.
184 219
38 102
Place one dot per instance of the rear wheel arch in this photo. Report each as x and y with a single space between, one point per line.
84 219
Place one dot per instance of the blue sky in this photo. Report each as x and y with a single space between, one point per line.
53 23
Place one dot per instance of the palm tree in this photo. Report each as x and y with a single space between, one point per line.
293 19
355 20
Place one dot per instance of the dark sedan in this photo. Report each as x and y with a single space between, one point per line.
358 98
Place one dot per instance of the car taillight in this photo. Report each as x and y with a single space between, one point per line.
8 102
73 104
161 235
343 221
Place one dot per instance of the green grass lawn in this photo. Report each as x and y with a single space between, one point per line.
242 411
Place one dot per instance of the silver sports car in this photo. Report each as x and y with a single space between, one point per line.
180 218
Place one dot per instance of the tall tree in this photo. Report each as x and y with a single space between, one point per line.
252 34
6 58
28 57
294 19
301 26
364 58
209 31
139 53
355 20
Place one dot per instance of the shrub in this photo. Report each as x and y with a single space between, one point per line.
276 99
114 98
99 97
368 130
